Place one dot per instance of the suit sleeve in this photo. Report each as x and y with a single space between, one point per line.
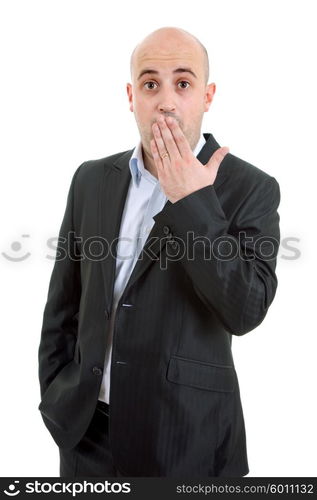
231 264
60 317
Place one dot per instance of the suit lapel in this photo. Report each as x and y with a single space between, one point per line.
113 195
204 155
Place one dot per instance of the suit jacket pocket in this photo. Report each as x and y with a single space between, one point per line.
201 375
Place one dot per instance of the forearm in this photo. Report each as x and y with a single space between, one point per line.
60 322
227 261
60 317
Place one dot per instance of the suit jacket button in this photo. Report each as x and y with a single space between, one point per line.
166 229
96 370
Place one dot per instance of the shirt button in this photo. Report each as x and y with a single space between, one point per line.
166 229
96 370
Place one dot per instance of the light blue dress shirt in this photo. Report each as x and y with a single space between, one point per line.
145 198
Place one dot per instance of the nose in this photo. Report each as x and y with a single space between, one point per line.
166 108
166 102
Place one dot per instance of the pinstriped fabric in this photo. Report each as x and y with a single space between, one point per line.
175 407
91 457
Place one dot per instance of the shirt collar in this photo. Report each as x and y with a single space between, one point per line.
138 169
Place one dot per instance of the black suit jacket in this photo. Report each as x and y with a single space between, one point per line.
206 272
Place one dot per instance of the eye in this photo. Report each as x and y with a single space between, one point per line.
184 82
151 85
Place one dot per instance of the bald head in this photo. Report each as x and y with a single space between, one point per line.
166 38
169 71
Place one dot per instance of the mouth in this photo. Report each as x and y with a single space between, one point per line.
165 115
155 120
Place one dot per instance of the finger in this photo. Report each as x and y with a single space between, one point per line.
217 158
160 145
168 139
155 154
180 139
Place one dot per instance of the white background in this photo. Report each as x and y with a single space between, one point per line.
64 67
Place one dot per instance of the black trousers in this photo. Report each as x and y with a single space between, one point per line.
91 457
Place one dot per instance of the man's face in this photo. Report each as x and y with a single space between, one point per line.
168 78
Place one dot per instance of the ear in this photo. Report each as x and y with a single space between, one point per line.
130 95
209 94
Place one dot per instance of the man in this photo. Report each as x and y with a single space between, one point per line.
164 253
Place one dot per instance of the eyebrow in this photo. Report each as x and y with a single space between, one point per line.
154 72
